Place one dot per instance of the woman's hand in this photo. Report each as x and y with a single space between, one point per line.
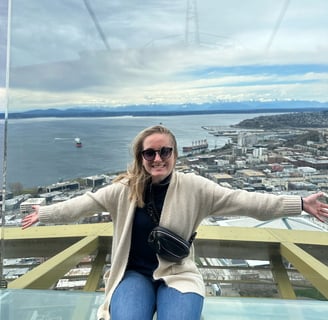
31 218
316 208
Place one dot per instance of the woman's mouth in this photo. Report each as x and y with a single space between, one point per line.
158 165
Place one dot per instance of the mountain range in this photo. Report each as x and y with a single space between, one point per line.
275 106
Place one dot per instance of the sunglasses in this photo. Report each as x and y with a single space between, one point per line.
150 154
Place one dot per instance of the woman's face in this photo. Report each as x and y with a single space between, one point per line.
158 167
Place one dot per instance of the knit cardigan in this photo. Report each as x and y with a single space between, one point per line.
189 199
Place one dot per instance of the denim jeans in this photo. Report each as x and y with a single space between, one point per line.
139 297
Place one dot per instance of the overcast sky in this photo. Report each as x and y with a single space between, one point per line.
145 52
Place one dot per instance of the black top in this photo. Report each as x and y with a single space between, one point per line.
142 258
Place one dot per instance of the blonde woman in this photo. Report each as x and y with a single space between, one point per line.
147 276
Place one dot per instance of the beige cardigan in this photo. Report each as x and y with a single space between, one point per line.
189 199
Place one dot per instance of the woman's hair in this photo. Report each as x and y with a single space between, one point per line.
136 174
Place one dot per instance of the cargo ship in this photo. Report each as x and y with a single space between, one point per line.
78 142
196 146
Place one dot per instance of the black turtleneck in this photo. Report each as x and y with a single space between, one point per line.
142 258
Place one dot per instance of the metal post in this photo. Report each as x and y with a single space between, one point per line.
3 282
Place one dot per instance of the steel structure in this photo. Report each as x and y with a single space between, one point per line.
63 247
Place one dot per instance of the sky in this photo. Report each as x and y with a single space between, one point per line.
68 53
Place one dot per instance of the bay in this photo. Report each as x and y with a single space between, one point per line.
42 151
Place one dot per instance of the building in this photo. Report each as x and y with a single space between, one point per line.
221 178
64 186
26 206
95 181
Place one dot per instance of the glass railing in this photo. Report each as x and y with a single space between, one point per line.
63 305
233 261
73 63
82 58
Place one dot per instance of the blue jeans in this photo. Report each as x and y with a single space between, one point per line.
139 297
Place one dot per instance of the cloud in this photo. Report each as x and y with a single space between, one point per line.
59 58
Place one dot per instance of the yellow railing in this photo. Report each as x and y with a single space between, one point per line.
64 246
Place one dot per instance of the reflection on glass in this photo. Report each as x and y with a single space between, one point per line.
36 304
210 64
101 55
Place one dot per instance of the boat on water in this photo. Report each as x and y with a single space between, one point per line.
196 146
78 142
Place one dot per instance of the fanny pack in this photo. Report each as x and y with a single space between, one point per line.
168 245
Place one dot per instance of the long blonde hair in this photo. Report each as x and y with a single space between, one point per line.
136 174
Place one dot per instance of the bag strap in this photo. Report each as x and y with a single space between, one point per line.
153 213
151 207
192 238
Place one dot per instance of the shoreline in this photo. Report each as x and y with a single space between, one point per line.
51 113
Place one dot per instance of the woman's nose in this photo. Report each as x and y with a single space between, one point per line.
157 157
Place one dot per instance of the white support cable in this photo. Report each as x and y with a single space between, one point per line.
277 25
97 25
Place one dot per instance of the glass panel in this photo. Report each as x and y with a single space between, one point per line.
254 308
90 56
60 305
48 305
73 62
3 78
3 126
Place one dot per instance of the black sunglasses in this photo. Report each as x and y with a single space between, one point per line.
150 154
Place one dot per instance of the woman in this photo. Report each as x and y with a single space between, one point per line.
151 192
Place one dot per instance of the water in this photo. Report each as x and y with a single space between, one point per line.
42 151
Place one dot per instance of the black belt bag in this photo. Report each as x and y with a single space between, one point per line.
168 245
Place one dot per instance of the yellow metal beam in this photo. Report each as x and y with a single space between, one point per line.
319 238
96 272
60 231
311 268
47 273
280 276
211 241
234 234
262 235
